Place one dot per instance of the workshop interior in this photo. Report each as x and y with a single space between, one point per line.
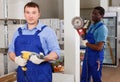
60 15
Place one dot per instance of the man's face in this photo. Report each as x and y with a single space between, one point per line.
31 15
96 15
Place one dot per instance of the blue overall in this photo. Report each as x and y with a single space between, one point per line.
34 73
89 63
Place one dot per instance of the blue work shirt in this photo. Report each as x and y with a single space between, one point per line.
47 36
100 34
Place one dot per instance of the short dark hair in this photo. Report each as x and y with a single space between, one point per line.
101 10
32 4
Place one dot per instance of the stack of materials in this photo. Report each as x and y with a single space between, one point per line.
11 77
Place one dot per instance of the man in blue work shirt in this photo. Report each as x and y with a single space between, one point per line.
38 38
96 36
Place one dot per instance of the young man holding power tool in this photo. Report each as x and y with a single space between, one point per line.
28 42
96 36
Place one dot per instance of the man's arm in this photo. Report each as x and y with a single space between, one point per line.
97 46
12 55
51 56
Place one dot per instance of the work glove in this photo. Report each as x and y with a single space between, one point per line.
36 58
20 61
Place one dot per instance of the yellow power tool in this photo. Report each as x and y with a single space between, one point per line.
25 55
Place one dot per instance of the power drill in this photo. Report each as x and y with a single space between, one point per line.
25 55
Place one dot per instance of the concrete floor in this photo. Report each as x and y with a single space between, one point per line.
111 74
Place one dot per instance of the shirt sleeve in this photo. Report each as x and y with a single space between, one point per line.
51 41
101 34
11 46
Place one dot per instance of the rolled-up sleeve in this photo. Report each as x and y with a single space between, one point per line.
51 41
11 46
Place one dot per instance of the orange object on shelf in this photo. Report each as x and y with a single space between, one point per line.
58 68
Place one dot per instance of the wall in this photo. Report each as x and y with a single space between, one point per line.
49 8
2 9
115 2
10 9
61 9
54 8
85 13
16 9
89 3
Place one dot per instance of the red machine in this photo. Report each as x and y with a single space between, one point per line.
78 23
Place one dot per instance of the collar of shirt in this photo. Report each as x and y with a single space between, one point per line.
95 25
39 26
92 26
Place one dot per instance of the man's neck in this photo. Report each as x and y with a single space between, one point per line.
31 26
96 22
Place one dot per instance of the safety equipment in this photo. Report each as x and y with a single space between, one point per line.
37 58
20 61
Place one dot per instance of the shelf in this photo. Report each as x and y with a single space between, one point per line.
4 50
